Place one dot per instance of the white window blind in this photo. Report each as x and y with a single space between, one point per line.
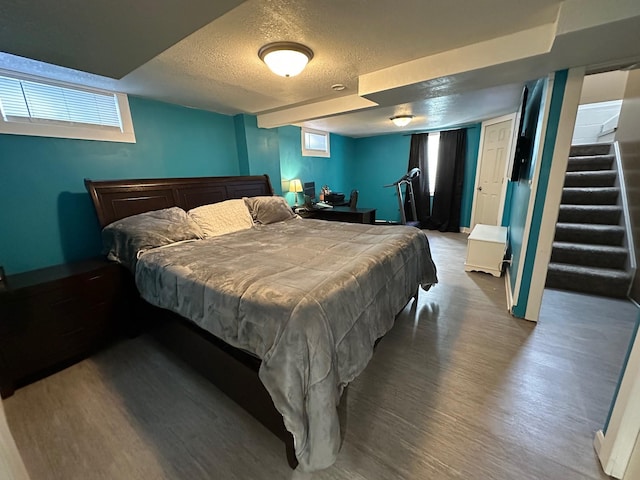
31 106
26 99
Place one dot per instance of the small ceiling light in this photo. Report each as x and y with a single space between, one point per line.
338 87
401 120
286 59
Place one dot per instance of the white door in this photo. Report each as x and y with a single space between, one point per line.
496 144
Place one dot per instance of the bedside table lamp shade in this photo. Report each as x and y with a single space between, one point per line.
295 186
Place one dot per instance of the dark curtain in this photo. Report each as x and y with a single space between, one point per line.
418 159
447 198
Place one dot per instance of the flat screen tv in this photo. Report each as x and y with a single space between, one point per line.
529 112
310 191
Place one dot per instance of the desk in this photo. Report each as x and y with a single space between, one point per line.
343 214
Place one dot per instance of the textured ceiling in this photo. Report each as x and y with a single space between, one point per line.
106 37
431 114
348 39
447 62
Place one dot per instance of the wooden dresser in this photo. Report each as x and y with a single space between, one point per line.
53 317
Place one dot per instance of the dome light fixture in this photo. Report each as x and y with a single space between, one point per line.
286 59
401 120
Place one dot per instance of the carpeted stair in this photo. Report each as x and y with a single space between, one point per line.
589 253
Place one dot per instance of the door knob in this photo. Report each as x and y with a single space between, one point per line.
480 189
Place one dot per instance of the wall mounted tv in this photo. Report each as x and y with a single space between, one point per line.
529 112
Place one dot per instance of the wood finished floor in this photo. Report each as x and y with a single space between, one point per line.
458 389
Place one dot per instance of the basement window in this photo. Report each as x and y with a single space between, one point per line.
30 106
315 143
432 159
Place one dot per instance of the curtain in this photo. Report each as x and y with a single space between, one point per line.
447 198
418 159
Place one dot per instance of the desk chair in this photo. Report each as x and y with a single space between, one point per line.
353 199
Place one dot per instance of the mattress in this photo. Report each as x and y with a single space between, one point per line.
308 297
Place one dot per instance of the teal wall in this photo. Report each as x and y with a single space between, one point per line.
383 159
379 161
47 217
625 363
506 213
555 108
470 167
241 143
519 196
258 150
321 170
517 203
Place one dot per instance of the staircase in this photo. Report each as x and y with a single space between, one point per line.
589 250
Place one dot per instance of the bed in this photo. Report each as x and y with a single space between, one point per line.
282 315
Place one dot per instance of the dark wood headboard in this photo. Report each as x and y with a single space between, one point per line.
116 199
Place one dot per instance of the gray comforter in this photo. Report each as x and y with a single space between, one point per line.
308 297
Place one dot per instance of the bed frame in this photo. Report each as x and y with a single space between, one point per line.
116 199
234 371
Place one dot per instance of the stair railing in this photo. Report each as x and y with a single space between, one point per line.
625 213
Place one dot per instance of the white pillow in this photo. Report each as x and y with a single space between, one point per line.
222 217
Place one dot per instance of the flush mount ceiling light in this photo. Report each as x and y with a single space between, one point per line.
286 59
401 120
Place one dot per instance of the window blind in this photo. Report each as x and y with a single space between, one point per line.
41 101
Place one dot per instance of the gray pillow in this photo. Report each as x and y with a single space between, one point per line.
127 238
266 210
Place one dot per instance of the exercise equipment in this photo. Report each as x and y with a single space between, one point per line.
406 180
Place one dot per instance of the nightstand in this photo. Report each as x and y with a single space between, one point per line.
53 317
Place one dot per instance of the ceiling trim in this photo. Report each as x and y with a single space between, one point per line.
288 116
509 48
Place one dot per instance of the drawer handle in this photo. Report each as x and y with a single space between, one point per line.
72 332
64 301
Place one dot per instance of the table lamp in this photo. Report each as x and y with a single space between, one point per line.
295 186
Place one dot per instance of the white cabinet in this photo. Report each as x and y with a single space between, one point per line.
486 247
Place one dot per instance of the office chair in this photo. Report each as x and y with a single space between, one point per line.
353 199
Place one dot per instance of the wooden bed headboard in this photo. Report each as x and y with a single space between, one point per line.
116 199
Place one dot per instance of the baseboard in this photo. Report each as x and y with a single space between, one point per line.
604 458
598 441
466 230
507 286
